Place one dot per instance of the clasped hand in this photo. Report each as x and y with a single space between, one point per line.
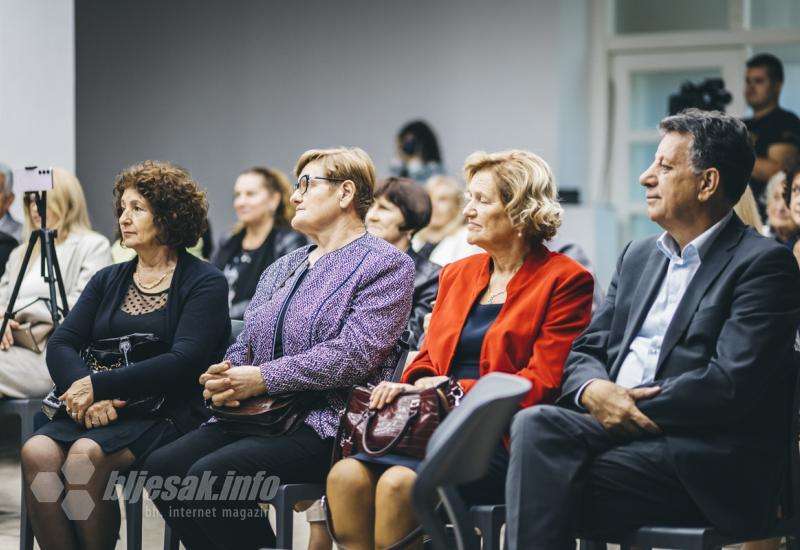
615 407
386 392
227 386
78 398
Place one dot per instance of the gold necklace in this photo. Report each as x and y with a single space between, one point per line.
137 278
495 295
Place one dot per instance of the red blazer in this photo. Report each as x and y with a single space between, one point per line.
548 304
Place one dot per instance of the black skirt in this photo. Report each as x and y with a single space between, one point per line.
140 435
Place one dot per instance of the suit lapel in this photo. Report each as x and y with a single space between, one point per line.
646 290
717 257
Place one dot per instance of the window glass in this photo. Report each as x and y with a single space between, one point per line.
773 14
638 16
650 91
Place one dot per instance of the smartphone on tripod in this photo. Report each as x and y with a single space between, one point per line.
35 182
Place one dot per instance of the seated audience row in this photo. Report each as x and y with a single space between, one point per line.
668 408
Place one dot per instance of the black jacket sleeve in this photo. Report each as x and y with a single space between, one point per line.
75 333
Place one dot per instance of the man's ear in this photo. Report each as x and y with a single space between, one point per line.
709 184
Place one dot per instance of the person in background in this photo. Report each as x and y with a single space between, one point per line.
10 229
747 210
780 224
775 132
417 153
402 208
444 239
791 196
262 234
80 252
8 224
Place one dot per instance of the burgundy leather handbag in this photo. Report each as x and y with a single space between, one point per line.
404 426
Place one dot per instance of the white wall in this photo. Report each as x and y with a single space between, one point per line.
218 86
37 84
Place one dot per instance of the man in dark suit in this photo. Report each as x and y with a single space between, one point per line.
675 400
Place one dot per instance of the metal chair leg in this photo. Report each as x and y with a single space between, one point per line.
133 524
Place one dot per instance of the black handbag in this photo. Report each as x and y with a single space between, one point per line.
267 415
116 353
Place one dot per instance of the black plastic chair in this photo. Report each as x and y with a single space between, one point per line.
708 538
473 429
25 410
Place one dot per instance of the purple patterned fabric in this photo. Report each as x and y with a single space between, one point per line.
340 328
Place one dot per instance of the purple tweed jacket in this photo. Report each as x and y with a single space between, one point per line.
340 328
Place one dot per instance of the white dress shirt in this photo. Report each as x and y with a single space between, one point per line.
639 365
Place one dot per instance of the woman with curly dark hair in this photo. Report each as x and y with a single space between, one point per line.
164 292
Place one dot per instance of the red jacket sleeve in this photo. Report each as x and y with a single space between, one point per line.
568 314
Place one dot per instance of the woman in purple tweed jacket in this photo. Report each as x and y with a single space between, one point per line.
323 318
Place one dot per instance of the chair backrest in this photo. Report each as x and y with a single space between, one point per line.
237 326
475 427
473 430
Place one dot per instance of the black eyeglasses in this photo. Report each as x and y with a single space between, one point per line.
302 182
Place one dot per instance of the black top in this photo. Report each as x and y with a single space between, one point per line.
426 287
466 361
195 324
779 126
243 268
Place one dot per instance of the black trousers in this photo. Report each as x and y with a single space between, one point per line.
567 474
221 522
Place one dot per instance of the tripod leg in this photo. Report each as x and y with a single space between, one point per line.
48 253
60 281
22 270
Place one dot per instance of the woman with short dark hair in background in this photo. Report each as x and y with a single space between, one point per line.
262 233
163 291
401 209
417 153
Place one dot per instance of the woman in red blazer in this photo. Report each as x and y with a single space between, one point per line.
516 309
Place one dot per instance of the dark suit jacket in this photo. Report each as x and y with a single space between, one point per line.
725 367
426 286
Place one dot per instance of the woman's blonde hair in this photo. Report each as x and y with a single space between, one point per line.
747 210
346 163
67 202
526 187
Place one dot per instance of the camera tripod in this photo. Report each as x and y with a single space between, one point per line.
51 272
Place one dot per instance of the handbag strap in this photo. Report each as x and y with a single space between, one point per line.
412 413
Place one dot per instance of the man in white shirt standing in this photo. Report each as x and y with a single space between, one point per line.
675 400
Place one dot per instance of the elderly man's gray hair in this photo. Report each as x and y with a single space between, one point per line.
8 178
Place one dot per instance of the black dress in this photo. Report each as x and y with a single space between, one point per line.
140 312
191 317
